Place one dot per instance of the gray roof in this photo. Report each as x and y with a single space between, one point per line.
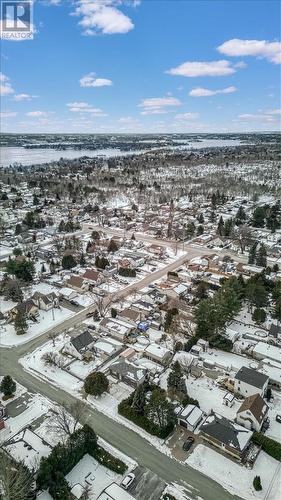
226 432
251 377
83 340
127 369
274 330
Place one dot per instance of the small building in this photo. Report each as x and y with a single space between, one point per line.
28 307
115 492
252 413
158 353
263 350
226 435
228 399
93 276
78 284
44 301
68 293
116 328
128 372
248 382
190 417
131 315
275 330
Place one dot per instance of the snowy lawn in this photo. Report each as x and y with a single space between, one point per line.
274 430
9 338
235 478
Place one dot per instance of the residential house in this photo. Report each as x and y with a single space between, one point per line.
80 346
248 382
128 372
44 301
78 284
266 351
226 435
131 315
68 293
117 328
158 353
27 307
252 413
93 276
190 417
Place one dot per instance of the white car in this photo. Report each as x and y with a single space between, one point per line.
127 481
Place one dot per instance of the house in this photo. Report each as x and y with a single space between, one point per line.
275 330
130 315
80 346
156 250
115 492
226 435
157 353
92 276
128 372
27 307
68 293
190 417
248 382
116 328
267 351
77 283
228 399
44 301
252 413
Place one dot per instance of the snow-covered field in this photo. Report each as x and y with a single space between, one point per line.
236 478
46 321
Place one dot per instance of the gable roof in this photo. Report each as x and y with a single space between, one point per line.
130 370
82 340
91 274
251 377
76 281
256 405
226 432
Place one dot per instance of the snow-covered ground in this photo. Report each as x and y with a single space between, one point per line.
20 389
29 448
274 430
235 478
45 322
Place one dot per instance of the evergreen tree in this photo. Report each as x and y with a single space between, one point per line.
8 386
112 246
159 410
259 315
257 483
82 260
96 384
139 399
258 217
252 254
68 262
20 323
221 226
261 256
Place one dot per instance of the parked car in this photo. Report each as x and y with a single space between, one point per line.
278 418
89 315
188 443
127 481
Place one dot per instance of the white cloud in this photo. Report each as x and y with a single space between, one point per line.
5 86
158 105
274 112
270 116
90 81
186 116
36 114
8 114
257 48
102 16
23 97
84 107
202 92
208 68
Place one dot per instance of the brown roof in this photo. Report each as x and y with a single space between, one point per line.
130 313
256 405
75 281
91 275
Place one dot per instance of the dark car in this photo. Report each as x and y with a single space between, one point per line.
188 443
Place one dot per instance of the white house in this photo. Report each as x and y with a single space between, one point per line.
157 353
190 417
252 413
80 345
248 382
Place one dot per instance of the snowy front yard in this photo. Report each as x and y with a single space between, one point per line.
236 478
46 320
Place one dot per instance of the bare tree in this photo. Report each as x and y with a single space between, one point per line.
243 235
15 479
66 421
53 359
103 304
52 336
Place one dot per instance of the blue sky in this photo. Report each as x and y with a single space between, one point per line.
145 66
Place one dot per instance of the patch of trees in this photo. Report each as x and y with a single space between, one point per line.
257 255
270 446
17 481
23 270
212 314
127 272
69 226
33 220
11 289
176 382
101 262
169 317
112 246
64 457
20 323
68 262
8 386
149 408
267 216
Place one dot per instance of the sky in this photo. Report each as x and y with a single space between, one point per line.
147 66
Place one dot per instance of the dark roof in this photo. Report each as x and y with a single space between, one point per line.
82 340
274 330
251 377
125 368
226 432
256 405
